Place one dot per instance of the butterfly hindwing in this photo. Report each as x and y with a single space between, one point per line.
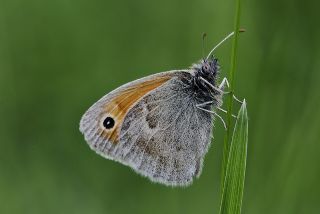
164 136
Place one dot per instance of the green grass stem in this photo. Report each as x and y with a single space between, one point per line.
230 97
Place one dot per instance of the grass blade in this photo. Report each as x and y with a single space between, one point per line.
232 194
231 89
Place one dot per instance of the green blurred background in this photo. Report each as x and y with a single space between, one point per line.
58 57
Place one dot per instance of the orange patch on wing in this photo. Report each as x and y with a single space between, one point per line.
118 107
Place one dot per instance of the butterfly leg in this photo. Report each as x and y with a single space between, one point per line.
210 102
204 104
221 87
224 111
212 112
212 86
224 82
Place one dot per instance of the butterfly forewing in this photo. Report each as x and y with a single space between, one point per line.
115 105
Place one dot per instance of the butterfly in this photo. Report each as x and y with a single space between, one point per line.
159 125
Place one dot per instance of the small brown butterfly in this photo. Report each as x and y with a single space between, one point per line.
160 125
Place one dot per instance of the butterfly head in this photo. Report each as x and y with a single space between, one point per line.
208 70
210 66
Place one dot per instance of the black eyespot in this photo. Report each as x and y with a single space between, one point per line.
108 123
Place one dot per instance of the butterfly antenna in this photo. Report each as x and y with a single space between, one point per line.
222 41
203 45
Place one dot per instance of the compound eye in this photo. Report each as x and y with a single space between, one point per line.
205 67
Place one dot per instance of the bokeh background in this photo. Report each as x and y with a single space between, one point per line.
58 57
